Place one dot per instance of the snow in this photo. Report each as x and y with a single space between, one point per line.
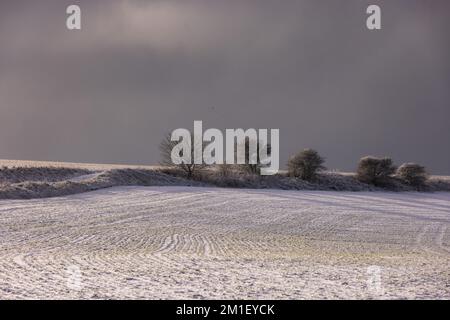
195 243
84 177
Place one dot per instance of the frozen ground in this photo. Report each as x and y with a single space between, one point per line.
74 165
194 243
21 179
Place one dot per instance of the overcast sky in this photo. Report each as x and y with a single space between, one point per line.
138 69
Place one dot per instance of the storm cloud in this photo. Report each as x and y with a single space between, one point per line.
138 69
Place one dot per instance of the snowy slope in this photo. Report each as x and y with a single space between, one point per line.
186 242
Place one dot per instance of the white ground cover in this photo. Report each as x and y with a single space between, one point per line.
194 243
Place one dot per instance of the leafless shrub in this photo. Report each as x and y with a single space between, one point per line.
413 174
376 171
225 170
305 165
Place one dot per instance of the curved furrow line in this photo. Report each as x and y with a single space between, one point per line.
215 243
440 239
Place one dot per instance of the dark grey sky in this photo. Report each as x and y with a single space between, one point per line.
138 69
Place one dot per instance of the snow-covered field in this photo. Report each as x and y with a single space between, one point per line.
74 165
193 243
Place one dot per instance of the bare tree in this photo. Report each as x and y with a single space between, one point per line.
189 167
254 168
